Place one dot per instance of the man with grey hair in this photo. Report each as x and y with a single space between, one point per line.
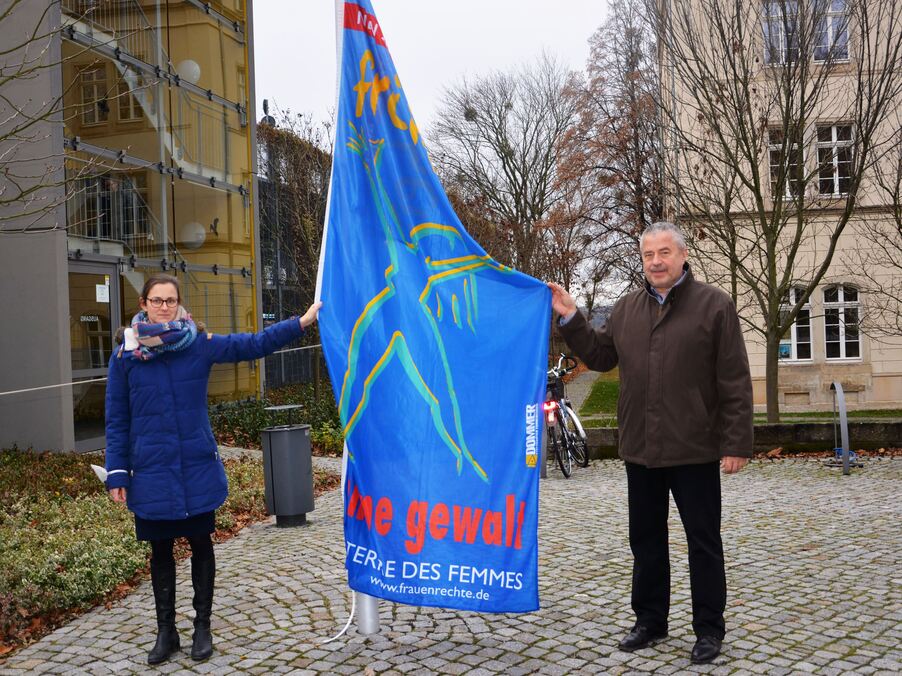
685 407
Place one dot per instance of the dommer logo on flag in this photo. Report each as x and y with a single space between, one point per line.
435 350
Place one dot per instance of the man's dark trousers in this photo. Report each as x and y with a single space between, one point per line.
696 491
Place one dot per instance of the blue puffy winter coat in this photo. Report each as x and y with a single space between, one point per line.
159 443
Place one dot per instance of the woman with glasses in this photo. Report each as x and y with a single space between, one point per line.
161 457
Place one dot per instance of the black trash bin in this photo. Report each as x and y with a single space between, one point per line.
288 470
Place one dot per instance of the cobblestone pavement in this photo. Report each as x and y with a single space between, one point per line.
813 571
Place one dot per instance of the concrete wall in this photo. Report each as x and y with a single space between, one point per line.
34 340
808 436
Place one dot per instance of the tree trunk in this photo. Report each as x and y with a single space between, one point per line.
772 377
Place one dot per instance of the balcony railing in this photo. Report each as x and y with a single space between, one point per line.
122 20
110 208
200 129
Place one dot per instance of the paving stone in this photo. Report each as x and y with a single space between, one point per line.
282 592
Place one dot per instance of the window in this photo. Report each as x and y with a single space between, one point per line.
832 37
95 107
785 165
834 159
129 106
781 34
796 342
132 207
241 79
841 322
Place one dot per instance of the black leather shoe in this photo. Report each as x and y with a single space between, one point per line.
640 637
706 649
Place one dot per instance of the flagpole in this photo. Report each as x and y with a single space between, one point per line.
367 607
367 614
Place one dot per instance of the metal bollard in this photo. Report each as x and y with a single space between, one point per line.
844 456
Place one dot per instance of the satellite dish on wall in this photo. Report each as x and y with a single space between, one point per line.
188 70
192 235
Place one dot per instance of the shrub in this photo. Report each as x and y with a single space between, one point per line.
65 546
23 473
60 553
239 424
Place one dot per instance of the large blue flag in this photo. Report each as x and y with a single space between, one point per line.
437 357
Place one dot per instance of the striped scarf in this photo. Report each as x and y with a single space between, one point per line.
148 341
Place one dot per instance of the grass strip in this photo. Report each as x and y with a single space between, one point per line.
602 399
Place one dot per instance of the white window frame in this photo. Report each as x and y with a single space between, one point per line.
834 146
774 24
793 338
129 107
93 91
835 20
841 305
797 149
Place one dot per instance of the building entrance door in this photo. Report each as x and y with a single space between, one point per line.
94 317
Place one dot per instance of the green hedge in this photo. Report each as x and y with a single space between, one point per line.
239 424
63 554
63 543
65 546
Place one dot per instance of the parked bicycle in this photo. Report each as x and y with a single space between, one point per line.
566 437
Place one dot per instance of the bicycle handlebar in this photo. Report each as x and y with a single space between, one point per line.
558 371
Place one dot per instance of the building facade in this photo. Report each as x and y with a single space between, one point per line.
146 164
780 130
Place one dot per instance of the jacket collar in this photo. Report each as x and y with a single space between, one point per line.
684 281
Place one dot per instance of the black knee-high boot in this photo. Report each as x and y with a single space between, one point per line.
162 577
203 574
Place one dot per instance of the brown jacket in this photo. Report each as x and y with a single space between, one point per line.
685 386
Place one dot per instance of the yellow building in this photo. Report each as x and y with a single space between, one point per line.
157 130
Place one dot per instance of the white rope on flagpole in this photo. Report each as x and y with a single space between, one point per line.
50 387
297 349
348 623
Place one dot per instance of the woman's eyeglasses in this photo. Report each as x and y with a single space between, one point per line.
158 302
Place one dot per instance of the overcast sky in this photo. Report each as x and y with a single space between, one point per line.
433 44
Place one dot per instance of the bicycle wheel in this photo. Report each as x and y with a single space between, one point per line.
577 439
561 451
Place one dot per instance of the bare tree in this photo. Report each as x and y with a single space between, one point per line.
618 133
747 89
295 164
877 258
35 176
26 55
496 145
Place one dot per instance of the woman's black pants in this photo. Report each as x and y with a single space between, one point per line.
696 491
201 549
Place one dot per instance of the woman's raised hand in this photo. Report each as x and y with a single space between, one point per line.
310 316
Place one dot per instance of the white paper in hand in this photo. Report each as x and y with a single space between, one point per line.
100 472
